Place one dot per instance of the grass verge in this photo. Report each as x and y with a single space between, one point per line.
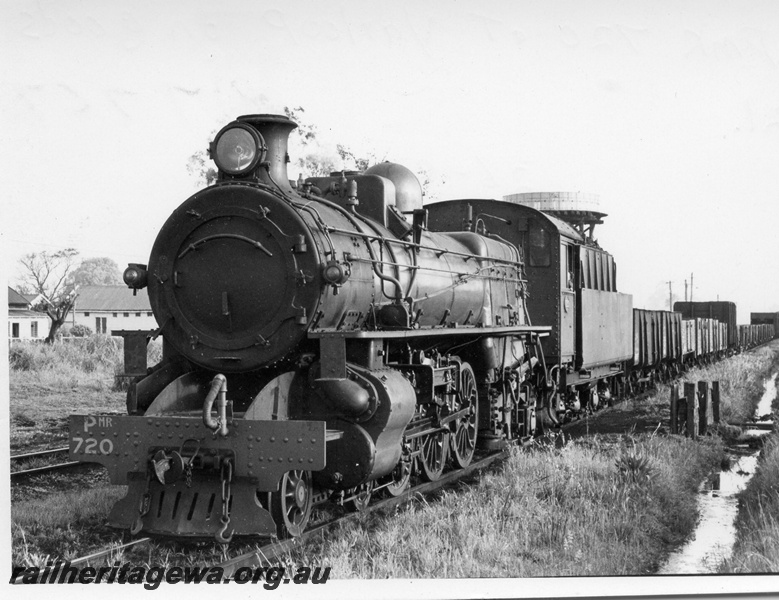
67 526
588 507
741 380
600 505
757 525
50 382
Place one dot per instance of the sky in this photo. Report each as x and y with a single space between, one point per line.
668 110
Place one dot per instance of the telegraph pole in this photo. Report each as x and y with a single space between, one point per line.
691 288
670 296
685 290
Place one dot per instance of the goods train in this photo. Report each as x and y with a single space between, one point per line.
763 327
590 352
331 338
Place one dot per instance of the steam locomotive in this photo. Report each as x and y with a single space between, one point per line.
318 340
331 338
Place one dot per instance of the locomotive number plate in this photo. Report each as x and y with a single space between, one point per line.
83 442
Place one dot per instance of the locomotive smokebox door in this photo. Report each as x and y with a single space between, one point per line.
226 283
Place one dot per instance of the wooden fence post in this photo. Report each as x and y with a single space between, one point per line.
674 408
715 401
703 407
681 416
692 410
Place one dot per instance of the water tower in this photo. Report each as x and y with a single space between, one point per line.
578 209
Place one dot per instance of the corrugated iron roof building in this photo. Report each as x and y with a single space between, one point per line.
105 308
111 297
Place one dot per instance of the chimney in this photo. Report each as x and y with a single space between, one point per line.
275 130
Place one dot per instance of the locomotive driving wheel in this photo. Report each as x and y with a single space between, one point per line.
433 455
291 505
466 428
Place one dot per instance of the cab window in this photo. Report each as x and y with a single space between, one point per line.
567 263
539 254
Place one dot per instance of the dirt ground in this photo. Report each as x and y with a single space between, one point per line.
639 416
39 413
39 421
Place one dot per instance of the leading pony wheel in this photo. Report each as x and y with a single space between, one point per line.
400 478
291 505
361 496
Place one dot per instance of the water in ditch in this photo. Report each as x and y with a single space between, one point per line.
714 536
767 400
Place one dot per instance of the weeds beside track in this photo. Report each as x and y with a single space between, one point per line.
538 516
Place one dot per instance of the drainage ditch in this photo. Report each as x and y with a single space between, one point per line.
715 534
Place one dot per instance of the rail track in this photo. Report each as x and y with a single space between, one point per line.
22 473
262 556
272 550
278 548
98 554
266 553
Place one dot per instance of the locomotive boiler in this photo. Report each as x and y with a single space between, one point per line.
319 341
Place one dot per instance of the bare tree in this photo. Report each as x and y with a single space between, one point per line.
47 274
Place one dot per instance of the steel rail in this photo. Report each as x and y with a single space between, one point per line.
264 554
94 555
108 550
40 453
46 468
255 558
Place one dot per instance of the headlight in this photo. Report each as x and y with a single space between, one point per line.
237 149
135 276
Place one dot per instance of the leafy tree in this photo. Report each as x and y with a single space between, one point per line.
312 157
317 164
95 271
46 273
198 166
305 132
430 183
360 163
80 331
202 168
317 161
